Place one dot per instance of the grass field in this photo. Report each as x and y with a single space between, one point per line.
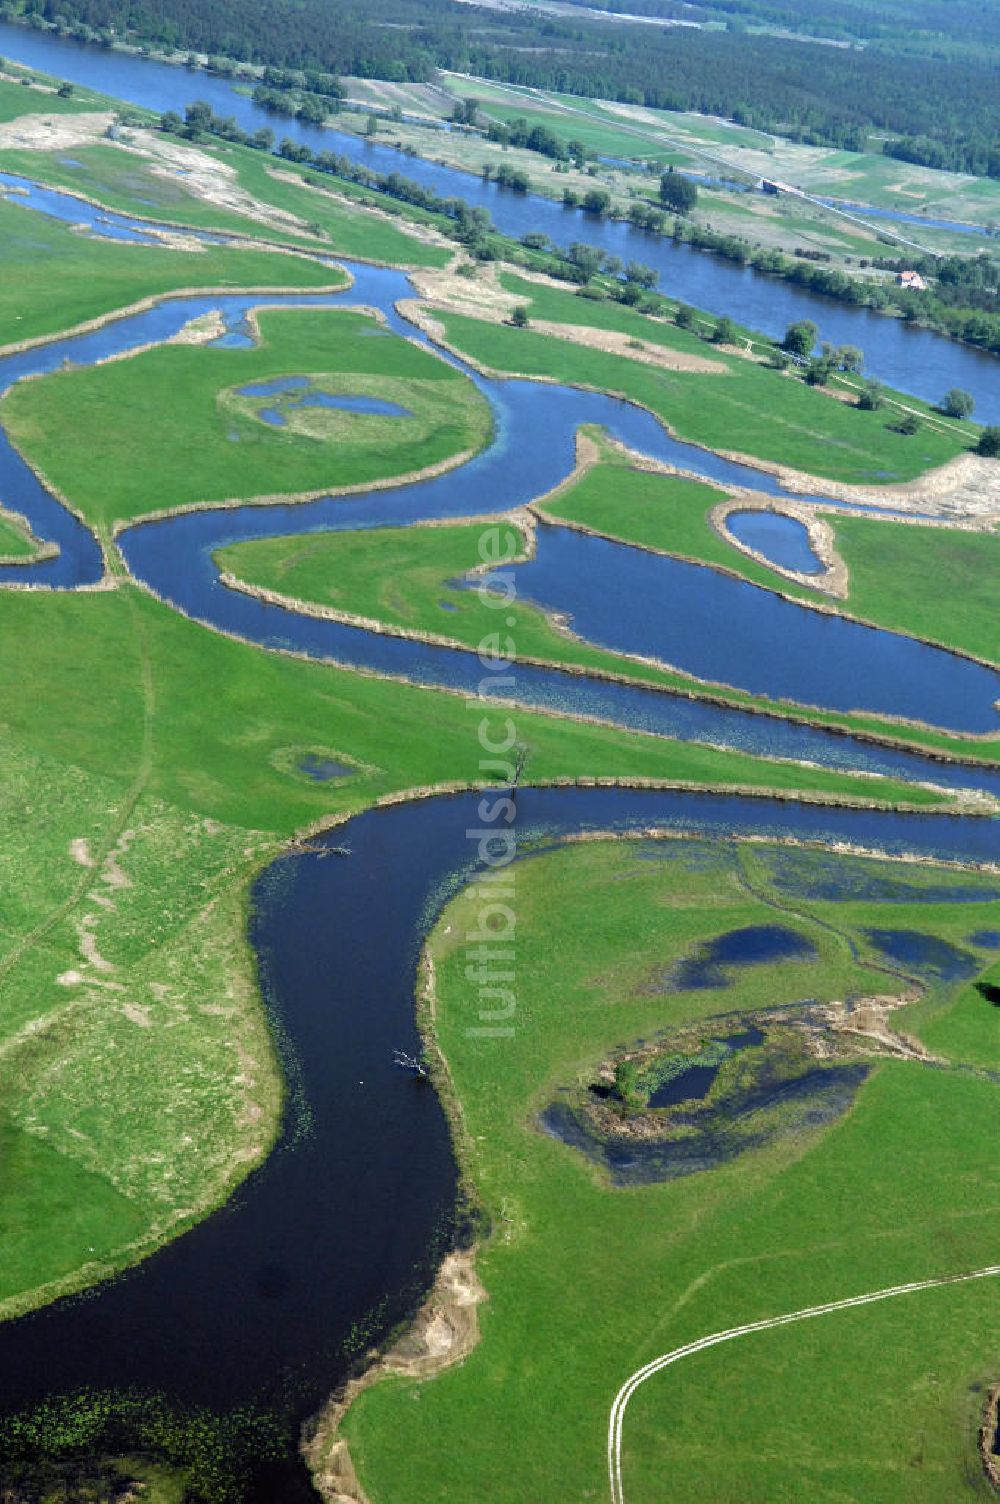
752 410
586 1282
15 542
125 180
172 754
19 98
168 427
927 581
94 277
862 177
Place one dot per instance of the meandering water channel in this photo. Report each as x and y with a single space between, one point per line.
610 588
913 360
252 1307
256 1306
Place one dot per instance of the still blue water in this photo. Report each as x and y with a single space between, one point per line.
910 359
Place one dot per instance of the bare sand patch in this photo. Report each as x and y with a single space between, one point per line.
201 330
964 489
79 850
483 298
55 132
444 1331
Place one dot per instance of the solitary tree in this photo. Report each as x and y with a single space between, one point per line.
957 404
800 338
596 201
519 316
870 398
989 442
677 192
685 317
371 126
724 332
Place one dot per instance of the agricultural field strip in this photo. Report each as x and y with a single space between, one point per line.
649 1370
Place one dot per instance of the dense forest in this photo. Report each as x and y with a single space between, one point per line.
818 94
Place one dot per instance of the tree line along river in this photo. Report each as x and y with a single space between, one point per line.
913 360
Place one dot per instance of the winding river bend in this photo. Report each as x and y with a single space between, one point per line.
252 1307
914 360
256 1307
621 596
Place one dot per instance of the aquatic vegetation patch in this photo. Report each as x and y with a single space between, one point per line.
928 956
691 1100
295 393
715 962
841 878
316 764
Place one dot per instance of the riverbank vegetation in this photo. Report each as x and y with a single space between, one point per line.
190 436
586 1282
771 81
753 410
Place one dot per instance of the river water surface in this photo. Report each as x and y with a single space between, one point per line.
913 360
344 1223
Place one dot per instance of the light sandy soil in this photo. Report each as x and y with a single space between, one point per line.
55 132
201 330
444 1331
966 489
211 180
482 297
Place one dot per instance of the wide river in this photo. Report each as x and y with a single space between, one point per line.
343 1225
914 360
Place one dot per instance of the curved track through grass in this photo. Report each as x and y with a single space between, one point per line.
616 1419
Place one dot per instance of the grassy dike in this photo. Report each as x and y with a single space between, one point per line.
168 427
153 764
403 580
585 1282
750 410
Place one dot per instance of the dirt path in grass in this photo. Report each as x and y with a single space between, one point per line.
616 1419
107 852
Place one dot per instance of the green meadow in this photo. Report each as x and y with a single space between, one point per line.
95 277
586 1281
21 98
750 409
151 768
168 427
15 541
